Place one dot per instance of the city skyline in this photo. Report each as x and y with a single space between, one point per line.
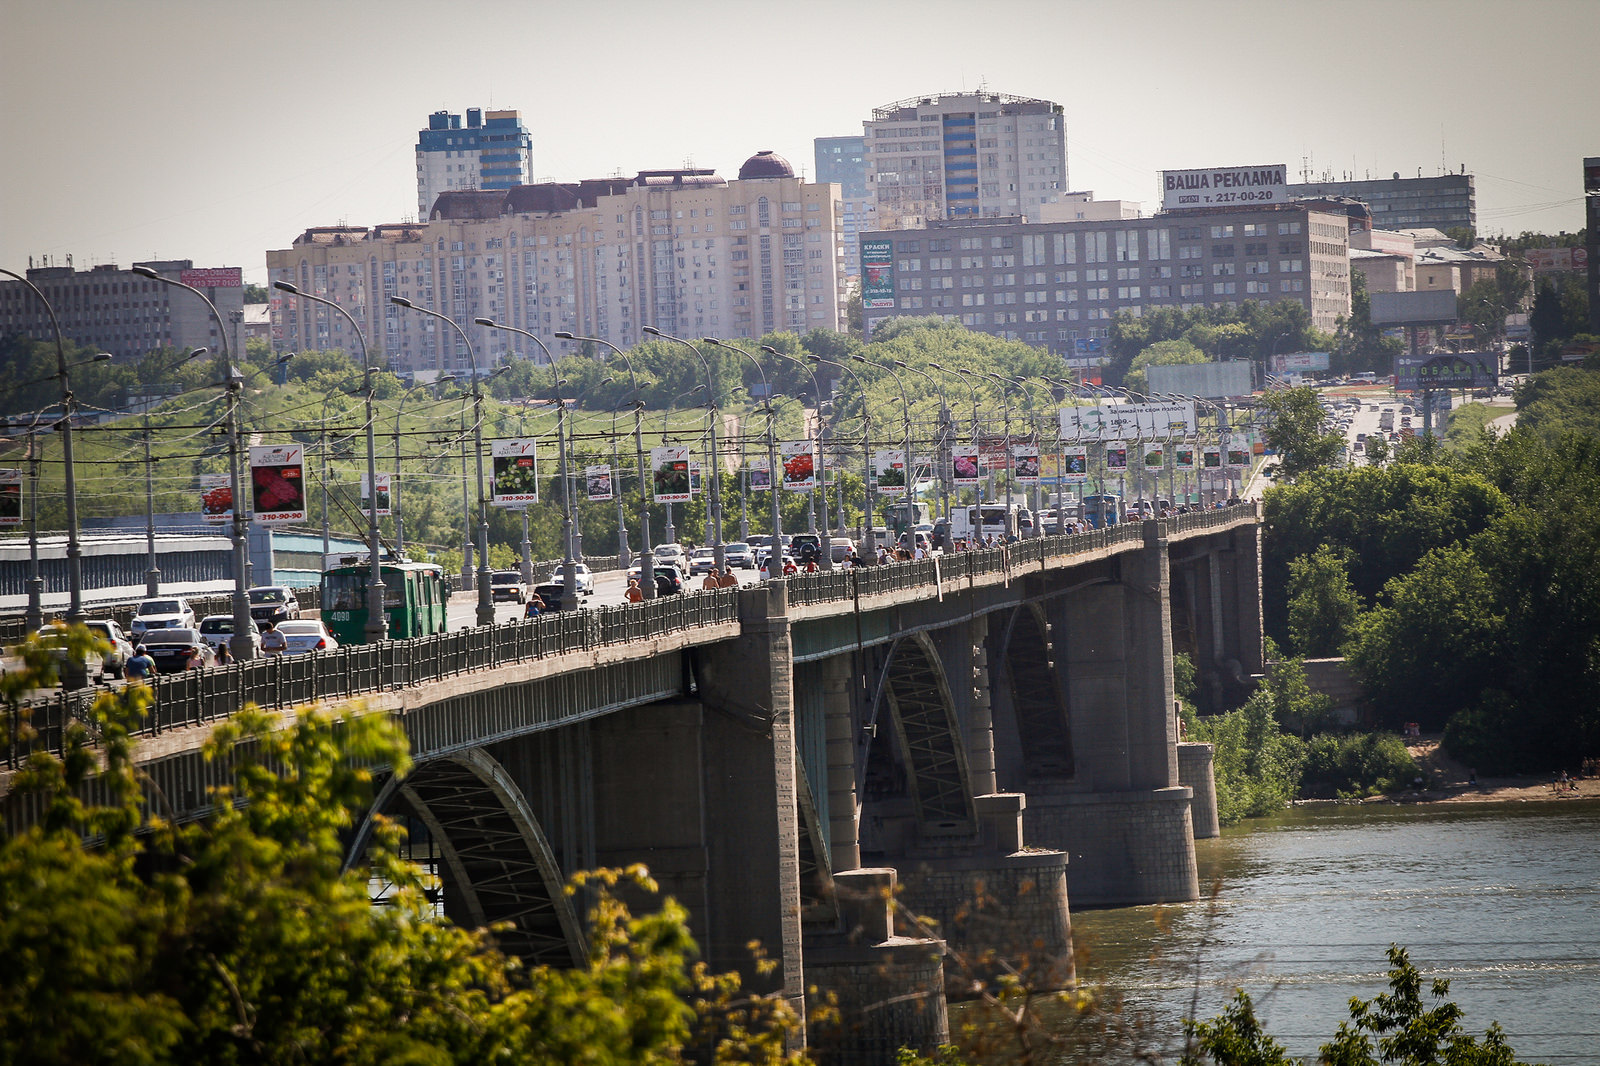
158 131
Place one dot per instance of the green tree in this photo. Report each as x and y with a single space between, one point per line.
1298 431
1322 605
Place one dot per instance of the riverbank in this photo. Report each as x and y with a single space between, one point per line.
1448 781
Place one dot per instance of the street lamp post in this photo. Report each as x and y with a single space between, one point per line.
870 539
624 555
719 555
647 558
152 574
398 503
820 496
774 471
377 627
942 448
485 604
33 618
905 418
243 641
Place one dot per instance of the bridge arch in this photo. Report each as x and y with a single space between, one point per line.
1044 727
494 859
913 687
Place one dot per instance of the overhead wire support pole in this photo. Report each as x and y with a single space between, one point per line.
718 547
869 538
774 471
825 547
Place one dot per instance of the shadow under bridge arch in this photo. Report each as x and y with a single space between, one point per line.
1044 730
933 770
495 863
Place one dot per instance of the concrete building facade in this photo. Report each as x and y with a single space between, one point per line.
842 161
1058 285
117 311
492 151
964 155
687 251
1445 202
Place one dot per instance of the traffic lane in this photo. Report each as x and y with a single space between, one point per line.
610 590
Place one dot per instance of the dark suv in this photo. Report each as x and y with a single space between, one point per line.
806 548
273 603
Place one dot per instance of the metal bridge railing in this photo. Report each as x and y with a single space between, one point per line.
198 696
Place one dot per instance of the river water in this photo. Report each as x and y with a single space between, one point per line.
1503 900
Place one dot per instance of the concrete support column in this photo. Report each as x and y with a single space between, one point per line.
844 843
1147 655
1247 596
980 722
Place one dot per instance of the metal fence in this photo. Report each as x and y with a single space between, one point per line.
197 696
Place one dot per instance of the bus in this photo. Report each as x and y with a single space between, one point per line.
414 600
1101 509
979 521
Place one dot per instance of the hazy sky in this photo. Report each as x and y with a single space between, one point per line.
214 130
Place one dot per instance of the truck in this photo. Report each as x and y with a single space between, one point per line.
1386 420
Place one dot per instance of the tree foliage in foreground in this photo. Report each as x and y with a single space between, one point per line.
238 939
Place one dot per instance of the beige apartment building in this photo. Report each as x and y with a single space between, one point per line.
964 155
1058 285
687 251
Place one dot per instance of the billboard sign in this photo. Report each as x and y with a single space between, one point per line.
1075 470
515 482
1117 421
1183 458
1211 381
278 483
214 278
1025 458
1548 260
1238 451
385 487
10 497
1116 455
966 465
760 477
1224 187
597 482
1426 307
1155 457
1299 362
216 498
799 465
877 275
1453 370
669 473
889 466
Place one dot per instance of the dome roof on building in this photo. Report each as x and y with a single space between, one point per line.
765 164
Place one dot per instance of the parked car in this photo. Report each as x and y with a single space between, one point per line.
170 648
703 561
217 629
273 603
121 651
307 634
507 585
168 613
739 554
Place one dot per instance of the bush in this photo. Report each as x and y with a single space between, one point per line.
1355 765
1257 766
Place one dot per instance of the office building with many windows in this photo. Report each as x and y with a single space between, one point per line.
1058 285
687 251
964 155
492 151
843 161
115 310
1443 203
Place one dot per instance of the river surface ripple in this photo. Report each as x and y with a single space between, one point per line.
1503 900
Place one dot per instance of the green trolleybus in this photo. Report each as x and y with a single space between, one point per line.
414 600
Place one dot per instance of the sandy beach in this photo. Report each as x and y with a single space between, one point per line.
1450 782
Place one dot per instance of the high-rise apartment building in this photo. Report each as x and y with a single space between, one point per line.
686 251
492 151
843 161
964 155
1442 203
1057 285
117 311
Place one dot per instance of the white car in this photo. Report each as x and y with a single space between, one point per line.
703 561
169 613
121 647
671 553
307 634
217 630
582 576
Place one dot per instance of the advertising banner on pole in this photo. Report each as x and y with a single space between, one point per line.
1211 457
597 481
216 498
1155 457
967 468
10 497
515 480
1025 458
1238 451
385 504
1183 458
889 466
1116 455
694 477
799 465
278 483
760 478
669 473
1077 471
